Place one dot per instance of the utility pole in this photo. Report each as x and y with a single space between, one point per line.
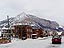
9 31
8 22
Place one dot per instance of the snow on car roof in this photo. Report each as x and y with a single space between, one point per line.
59 33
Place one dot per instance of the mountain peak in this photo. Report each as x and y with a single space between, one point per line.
22 15
30 19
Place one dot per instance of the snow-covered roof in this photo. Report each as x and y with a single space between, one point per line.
20 24
32 24
4 28
17 24
34 34
12 28
35 27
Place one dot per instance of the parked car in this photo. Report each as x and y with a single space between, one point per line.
34 36
56 39
24 36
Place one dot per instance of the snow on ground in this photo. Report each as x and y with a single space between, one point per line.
33 43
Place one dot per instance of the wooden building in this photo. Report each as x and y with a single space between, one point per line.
29 31
38 31
5 35
20 29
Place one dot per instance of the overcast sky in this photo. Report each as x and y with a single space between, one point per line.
48 9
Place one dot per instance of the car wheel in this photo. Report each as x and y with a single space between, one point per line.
52 42
24 38
59 42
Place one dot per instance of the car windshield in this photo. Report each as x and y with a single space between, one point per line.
57 36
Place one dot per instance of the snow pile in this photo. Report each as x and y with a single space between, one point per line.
33 43
0 33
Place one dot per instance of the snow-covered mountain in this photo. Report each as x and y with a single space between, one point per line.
29 19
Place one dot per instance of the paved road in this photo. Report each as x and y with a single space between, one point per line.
36 43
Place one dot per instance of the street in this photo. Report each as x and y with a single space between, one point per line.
33 43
